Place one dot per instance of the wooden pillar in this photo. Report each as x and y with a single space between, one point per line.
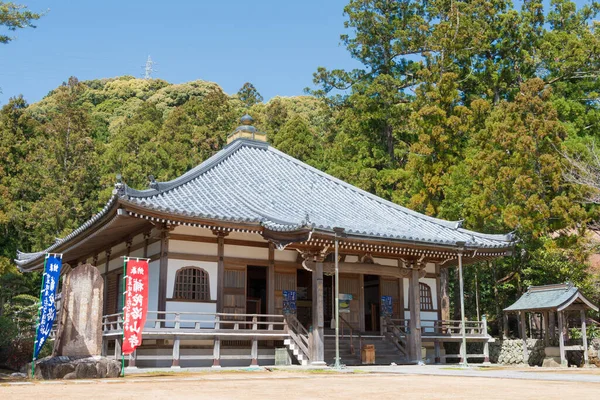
505 326
401 298
106 263
163 270
552 323
254 352
118 342
271 280
415 316
220 270
561 338
522 323
546 335
438 291
361 302
436 347
132 360
584 337
217 345
318 323
176 342
486 344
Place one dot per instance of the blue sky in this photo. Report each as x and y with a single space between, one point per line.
276 45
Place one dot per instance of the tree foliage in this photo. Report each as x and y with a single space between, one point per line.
462 110
15 16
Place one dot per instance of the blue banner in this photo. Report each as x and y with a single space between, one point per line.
48 298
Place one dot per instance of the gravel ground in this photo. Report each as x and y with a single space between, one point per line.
303 385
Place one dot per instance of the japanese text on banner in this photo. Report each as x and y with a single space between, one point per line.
48 302
136 304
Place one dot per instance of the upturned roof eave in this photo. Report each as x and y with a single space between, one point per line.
93 225
167 215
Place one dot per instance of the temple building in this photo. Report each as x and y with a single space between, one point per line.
242 255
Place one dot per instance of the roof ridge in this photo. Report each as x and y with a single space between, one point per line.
198 170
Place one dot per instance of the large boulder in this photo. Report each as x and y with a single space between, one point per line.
64 367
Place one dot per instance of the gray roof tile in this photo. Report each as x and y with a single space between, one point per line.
252 182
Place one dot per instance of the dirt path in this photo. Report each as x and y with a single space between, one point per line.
290 386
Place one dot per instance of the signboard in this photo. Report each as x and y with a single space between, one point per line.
289 302
136 304
344 302
387 308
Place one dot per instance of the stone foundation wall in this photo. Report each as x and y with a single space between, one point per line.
510 352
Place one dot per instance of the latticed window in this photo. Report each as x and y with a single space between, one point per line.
426 300
191 283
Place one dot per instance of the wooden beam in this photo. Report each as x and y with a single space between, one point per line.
271 280
546 325
524 337
415 316
163 268
361 303
584 338
220 269
561 339
318 346
438 292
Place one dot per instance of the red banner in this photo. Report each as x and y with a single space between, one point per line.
136 304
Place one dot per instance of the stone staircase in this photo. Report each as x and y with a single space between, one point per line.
296 351
385 351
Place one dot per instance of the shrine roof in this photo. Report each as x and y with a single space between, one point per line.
550 297
252 183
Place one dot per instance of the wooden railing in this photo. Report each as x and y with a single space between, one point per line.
396 333
176 326
199 322
347 324
298 334
444 327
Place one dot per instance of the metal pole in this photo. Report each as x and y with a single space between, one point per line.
337 364
462 311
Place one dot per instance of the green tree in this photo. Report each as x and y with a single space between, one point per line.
15 16
249 95
297 139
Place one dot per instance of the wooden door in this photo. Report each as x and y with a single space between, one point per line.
234 290
285 279
349 284
390 287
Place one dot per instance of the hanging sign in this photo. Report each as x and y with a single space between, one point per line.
289 302
344 302
135 305
47 312
387 308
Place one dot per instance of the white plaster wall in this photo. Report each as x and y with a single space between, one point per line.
206 321
425 315
351 259
193 230
386 261
153 249
175 265
181 246
153 277
286 255
430 267
254 237
247 252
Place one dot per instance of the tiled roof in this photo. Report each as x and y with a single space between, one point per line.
549 297
251 182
